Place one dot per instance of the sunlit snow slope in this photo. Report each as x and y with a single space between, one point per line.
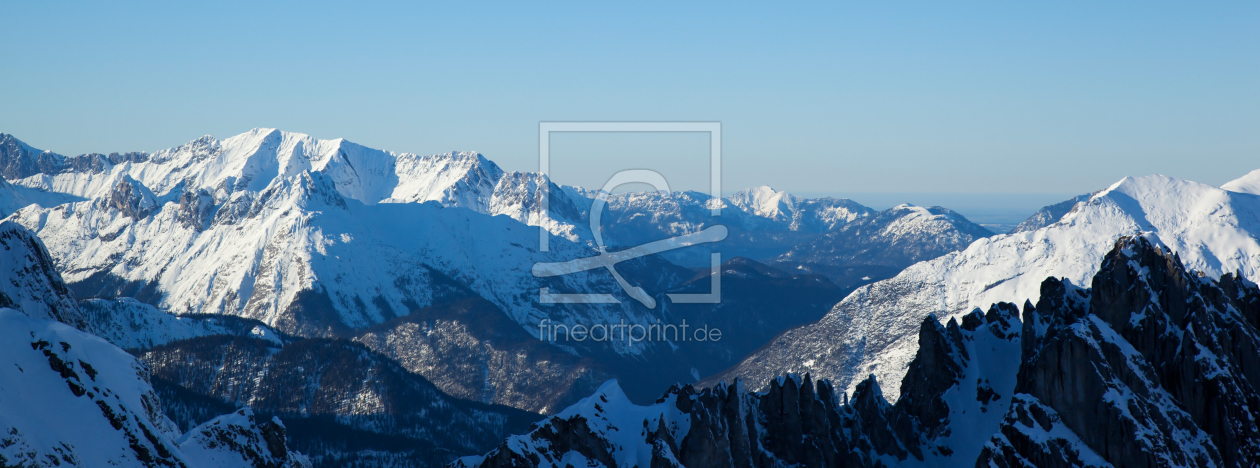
872 330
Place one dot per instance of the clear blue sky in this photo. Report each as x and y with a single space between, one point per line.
1052 97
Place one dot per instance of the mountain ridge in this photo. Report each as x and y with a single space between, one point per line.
871 330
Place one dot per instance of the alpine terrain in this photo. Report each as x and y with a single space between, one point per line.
326 238
1153 365
273 299
872 331
69 398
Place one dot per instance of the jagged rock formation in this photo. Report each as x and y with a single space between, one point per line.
1152 366
795 421
18 160
130 199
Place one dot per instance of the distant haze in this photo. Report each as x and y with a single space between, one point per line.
982 208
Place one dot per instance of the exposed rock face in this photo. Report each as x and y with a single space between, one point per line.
1152 366
17 160
131 198
1034 436
196 209
29 280
937 368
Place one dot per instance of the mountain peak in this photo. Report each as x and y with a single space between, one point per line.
19 160
1249 183
760 189
764 201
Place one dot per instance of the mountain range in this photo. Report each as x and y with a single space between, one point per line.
872 331
370 308
327 238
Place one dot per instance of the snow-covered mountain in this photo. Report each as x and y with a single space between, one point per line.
763 223
881 244
324 238
900 236
269 225
240 438
211 172
72 399
1249 183
782 211
273 225
1152 366
1161 364
872 330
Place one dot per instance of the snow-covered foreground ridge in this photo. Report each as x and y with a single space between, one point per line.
72 399
872 331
